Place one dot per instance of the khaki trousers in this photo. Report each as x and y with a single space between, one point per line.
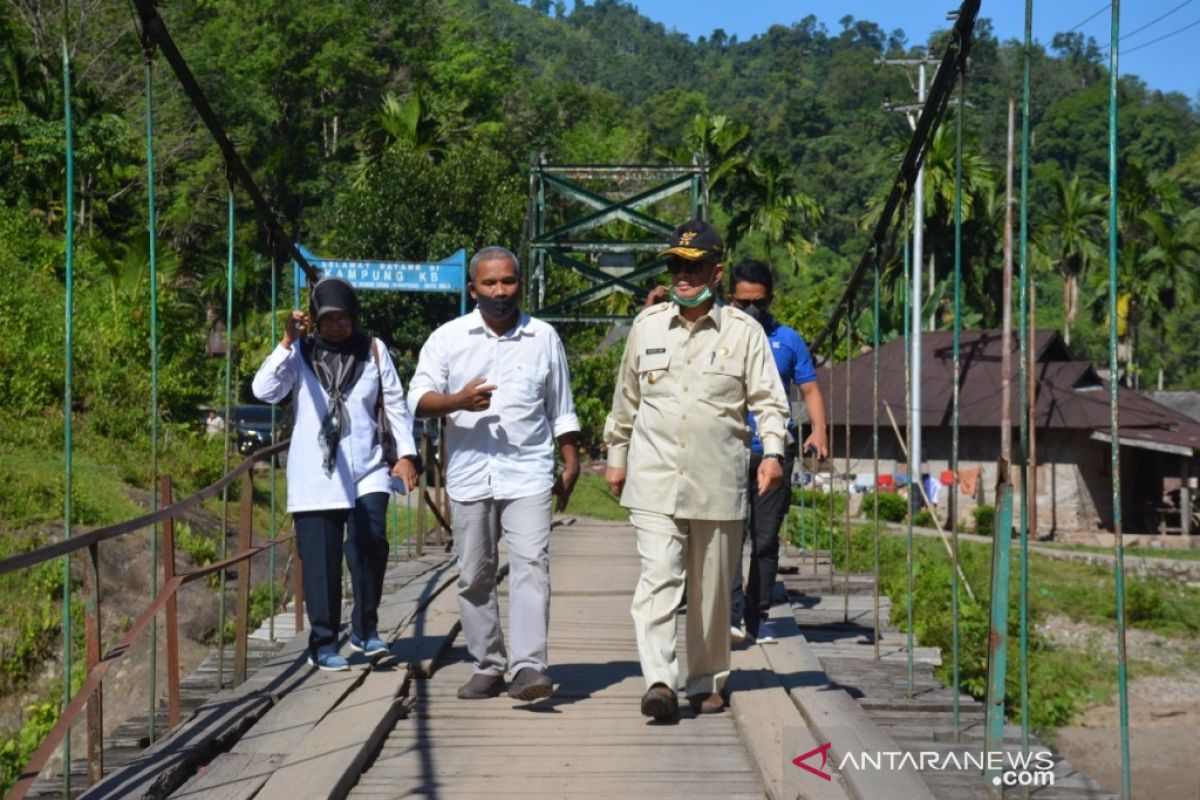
702 555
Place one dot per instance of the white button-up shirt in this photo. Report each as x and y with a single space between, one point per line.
506 451
360 468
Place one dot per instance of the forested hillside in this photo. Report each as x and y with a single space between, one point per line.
404 129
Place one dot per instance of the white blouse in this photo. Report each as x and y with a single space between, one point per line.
506 451
360 468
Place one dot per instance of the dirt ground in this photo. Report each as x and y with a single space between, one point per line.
1164 716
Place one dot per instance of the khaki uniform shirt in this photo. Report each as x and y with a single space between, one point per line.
678 422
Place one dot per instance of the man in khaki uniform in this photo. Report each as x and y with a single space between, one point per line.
678 446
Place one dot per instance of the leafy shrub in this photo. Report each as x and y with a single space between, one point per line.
892 507
924 519
985 520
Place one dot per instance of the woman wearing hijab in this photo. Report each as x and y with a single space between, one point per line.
338 480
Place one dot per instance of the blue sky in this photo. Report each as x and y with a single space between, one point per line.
1172 64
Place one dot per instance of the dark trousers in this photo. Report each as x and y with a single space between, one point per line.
321 538
762 528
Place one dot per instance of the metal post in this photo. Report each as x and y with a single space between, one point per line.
910 493
998 634
297 584
423 483
1113 395
846 430
957 373
95 706
229 425
914 434
274 459
152 233
875 439
1006 302
242 613
174 713
829 432
1023 390
68 383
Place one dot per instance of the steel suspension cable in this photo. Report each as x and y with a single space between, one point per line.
274 459
229 274
875 441
957 378
849 486
909 422
1023 379
152 234
1113 394
68 381
829 433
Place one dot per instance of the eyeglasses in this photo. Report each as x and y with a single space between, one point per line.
761 304
678 265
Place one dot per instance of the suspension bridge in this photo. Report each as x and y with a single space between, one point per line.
845 705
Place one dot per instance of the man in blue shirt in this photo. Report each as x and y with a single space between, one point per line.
751 285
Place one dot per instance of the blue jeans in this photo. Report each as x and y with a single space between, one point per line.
321 539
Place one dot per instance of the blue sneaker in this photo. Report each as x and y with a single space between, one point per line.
373 646
329 660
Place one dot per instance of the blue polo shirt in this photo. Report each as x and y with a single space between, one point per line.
794 363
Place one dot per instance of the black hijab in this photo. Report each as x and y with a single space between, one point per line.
337 365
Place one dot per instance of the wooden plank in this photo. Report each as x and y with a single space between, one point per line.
282 729
834 717
328 760
231 777
223 718
772 730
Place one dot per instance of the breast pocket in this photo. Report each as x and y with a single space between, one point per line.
652 368
725 380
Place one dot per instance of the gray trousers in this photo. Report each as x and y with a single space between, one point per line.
525 523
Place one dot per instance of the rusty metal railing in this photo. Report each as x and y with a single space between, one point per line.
90 694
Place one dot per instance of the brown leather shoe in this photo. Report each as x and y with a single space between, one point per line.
660 702
707 703
481 687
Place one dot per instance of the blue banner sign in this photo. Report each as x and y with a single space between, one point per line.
448 275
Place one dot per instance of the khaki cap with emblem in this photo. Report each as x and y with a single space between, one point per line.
695 240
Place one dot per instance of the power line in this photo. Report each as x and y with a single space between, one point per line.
1159 39
1156 19
1103 8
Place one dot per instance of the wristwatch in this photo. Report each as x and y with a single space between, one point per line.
775 456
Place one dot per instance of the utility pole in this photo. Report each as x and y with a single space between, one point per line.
914 399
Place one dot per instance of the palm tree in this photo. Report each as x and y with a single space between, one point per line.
1158 260
719 140
1069 237
769 205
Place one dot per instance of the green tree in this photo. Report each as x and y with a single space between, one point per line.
1069 236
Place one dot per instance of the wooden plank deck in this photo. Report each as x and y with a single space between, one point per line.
590 739
394 728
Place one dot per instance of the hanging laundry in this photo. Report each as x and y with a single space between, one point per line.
887 483
968 479
932 489
947 477
901 479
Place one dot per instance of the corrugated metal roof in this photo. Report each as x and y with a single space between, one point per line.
1070 394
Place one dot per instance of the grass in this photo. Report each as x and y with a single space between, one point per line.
1062 681
1140 552
591 498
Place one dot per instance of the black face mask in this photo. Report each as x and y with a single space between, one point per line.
759 314
497 308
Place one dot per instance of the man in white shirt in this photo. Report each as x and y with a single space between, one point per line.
500 379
